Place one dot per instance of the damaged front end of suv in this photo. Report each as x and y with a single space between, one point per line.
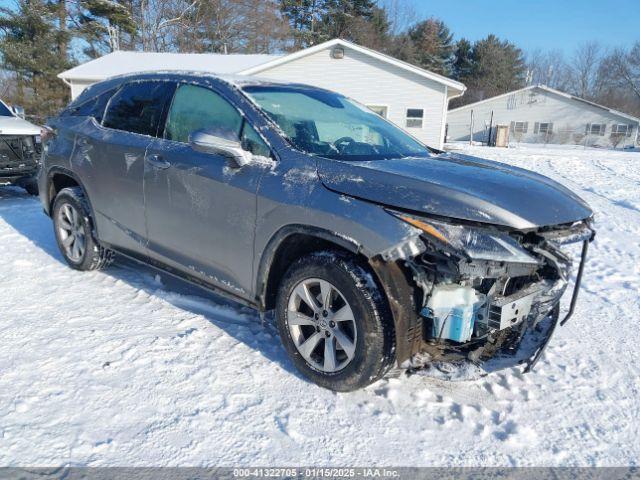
485 292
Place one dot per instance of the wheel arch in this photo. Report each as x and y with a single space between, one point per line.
59 178
394 280
287 245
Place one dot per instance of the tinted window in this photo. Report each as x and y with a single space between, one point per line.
93 107
139 107
252 142
4 111
197 108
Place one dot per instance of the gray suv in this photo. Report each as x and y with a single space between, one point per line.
373 249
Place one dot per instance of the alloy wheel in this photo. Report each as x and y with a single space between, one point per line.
71 232
322 325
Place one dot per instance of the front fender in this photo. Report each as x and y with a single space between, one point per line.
292 194
292 200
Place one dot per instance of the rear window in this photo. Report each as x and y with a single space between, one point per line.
139 107
94 107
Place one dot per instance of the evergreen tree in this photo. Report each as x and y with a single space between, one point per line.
402 48
303 17
315 21
340 18
33 46
106 25
463 60
498 67
433 46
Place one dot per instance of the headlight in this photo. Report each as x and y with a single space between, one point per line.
477 243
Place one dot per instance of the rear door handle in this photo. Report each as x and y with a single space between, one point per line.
157 162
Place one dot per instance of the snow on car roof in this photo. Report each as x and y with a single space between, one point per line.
237 80
123 62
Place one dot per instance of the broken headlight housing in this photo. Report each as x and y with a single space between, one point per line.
473 242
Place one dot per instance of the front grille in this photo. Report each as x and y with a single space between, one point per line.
17 155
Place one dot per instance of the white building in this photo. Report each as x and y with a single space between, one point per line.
411 97
539 114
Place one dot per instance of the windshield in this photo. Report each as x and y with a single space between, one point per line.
4 111
330 125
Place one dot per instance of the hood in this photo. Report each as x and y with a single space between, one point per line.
17 126
458 186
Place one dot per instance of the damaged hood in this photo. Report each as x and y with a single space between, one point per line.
458 186
17 126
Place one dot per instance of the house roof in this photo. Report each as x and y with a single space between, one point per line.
366 51
123 62
552 91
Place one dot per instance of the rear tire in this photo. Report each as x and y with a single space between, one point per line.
73 227
345 341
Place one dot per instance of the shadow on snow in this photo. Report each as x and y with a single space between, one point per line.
24 213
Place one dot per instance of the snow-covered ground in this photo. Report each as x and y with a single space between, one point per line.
122 367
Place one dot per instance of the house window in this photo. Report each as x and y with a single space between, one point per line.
520 127
545 128
621 130
379 109
414 117
596 129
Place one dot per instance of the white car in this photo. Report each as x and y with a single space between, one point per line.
19 149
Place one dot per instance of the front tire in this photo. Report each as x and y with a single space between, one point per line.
334 321
73 227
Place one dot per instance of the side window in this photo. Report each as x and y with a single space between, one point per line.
139 107
93 107
197 108
252 142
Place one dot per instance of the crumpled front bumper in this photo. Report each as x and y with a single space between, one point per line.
523 342
533 360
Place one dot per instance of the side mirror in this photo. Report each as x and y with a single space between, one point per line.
208 142
19 111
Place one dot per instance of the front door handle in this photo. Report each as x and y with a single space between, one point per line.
157 162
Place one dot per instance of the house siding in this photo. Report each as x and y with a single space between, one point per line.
372 82
569 117
78 86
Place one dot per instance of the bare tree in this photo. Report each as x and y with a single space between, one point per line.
585 78
548 68
227 26
400 14
161 19
623 67
265 31
224 26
